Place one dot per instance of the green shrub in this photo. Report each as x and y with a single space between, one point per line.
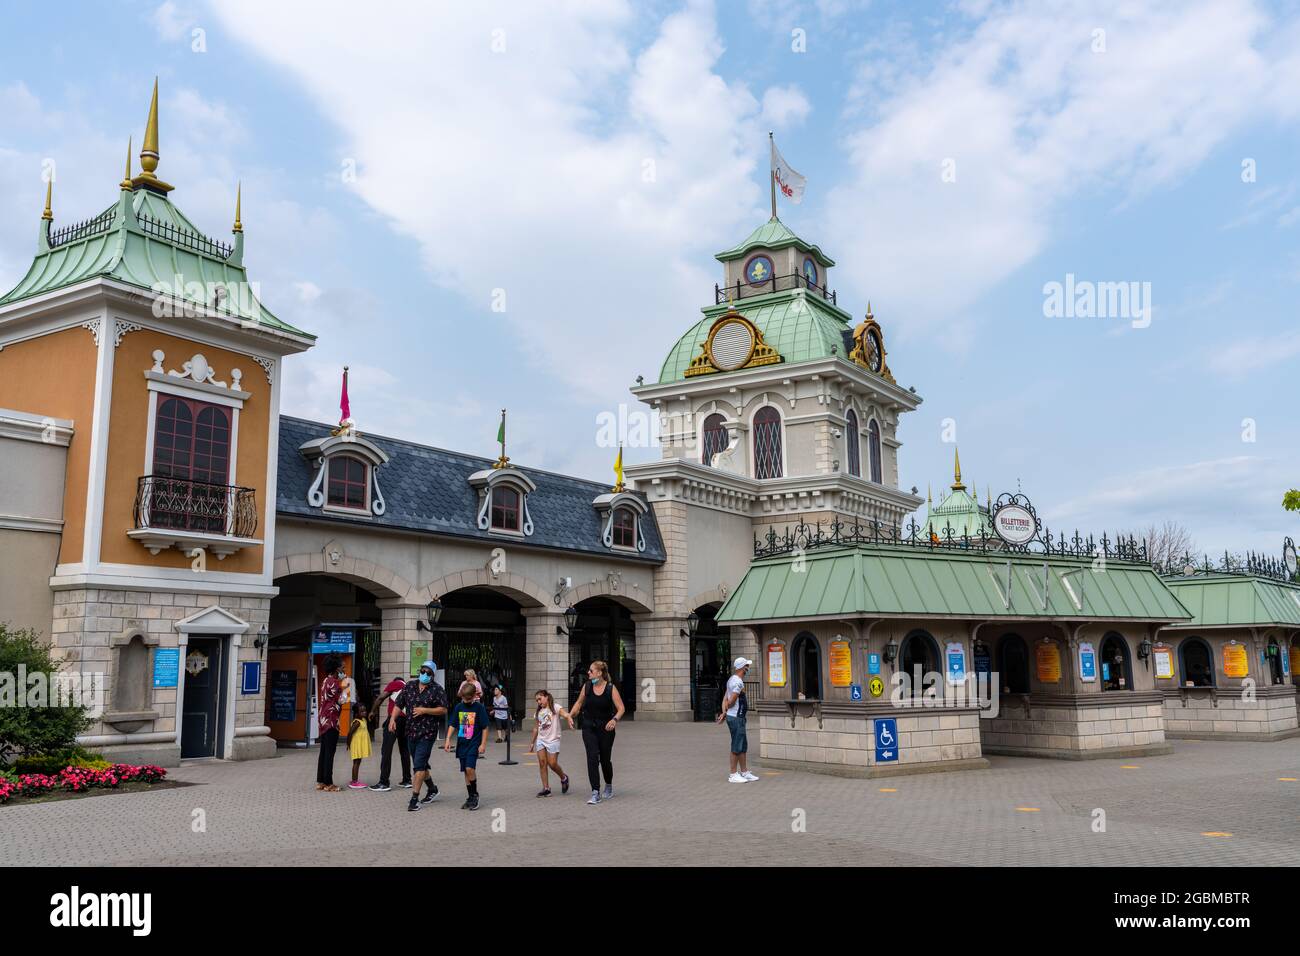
32 730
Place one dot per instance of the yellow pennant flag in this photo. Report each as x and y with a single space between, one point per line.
618 469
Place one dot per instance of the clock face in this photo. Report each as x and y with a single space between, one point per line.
874 351
810 270
758 270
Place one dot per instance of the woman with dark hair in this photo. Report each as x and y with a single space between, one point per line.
603 710
330 706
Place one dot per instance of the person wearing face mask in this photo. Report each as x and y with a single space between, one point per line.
330 706
423 702
601 708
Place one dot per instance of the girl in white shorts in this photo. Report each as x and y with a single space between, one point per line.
546 741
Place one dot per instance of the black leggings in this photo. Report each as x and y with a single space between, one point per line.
600 745
325 761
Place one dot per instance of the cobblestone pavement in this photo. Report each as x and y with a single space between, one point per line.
674 806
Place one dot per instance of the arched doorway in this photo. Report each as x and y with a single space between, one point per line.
316 616
1013 664
710 662
482 630
1196 664
1116 663
919 650
605 632
806 668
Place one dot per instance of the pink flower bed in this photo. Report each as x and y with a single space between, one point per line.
79 780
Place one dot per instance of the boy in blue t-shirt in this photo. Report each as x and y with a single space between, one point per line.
467 724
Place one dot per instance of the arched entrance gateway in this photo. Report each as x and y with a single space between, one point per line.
606 632
710 662
483 630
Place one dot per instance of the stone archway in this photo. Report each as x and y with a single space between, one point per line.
599 589
527 592
380 581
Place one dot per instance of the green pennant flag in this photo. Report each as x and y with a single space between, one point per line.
501 430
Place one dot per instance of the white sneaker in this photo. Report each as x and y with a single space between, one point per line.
749 776
736 778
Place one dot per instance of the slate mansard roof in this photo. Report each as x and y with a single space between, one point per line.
427 489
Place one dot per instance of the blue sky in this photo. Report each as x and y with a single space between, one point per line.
504 146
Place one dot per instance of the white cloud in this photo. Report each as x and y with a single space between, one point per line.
586 177
785 106
170 21
1242 357
1029 116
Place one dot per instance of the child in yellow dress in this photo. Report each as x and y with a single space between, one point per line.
359 747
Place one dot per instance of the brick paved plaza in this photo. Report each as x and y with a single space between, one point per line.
674 806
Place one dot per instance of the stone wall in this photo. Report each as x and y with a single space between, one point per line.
842 741
1115 724
1228 714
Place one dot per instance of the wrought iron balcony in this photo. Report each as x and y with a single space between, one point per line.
183 513
747 290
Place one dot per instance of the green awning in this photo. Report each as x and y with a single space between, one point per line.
1234 600
902 581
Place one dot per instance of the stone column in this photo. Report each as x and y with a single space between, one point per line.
398 632
663 668
546 659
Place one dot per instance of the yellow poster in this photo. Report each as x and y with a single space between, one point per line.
1164 658
1048 657
841 664
1295 659
776 665
1234 660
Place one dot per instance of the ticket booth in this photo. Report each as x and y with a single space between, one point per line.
295 671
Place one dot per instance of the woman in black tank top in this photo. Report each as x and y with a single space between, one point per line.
601 708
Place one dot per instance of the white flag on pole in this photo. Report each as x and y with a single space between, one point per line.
790 183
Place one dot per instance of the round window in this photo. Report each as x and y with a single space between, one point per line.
731 346
758 270
810 270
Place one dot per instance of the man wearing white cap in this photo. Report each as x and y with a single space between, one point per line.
422 701
735 705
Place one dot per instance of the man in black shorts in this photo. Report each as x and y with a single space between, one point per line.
423 702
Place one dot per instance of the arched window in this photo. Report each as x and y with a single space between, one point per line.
715 438
505 509
1013 664
854 446
873 449
1116 663
191 466
1196 663
918 650
624 528
1274 654
806 668
348 485
767 443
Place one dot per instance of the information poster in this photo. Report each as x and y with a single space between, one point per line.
1164 658
1087 662
841 664
166 666
955 658
284 695
873 663
776 665
1235 663
1295 659
419 654
1048 658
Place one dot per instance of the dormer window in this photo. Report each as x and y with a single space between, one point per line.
624 529
505 509
348 483
347 480
621 513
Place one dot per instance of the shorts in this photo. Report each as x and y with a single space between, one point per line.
739 739
468 759
550 746
501 723
421 748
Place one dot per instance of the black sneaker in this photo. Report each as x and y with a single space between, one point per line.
380 787
413 805
465 805
544 793
431 796
472 802
405 785
564 785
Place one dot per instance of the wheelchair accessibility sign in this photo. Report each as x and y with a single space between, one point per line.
886 739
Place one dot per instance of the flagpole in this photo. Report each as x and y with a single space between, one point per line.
771 172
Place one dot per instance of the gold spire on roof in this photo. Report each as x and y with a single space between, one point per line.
126 179
149 151
956 472
239 196
929 494
48 214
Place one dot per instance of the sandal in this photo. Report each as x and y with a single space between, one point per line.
330 788
545 793
320 786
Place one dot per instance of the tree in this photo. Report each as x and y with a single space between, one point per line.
1165 543
33 718
1291 500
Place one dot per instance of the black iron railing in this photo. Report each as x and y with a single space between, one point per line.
84 230
1251 563
184 238
180 504
837 533
747 290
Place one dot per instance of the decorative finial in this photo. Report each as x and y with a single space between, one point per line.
239 196
126 178
869 315
48 214
956 472
149 151
929 494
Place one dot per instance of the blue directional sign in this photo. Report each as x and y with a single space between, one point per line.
855 691
251 681
873 663
956 664
886 739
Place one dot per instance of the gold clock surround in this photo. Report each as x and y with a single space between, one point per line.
859 354
760 353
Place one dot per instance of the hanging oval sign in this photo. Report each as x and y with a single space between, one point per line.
1015 524
1289 557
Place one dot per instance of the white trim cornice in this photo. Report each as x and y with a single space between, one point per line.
21 523
24 426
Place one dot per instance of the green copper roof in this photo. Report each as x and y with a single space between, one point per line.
900 581
1225 600
799 326
145 241
961 512
774 234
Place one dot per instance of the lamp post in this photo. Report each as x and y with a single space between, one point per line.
891 651
692 625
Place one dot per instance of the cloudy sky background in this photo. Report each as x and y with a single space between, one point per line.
587 158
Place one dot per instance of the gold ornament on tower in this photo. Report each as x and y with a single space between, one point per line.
734 343
869 347
149 151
